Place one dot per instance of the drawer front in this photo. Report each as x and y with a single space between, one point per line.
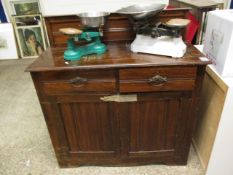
62 82
157 79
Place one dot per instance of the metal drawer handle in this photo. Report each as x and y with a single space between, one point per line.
157 79
78 80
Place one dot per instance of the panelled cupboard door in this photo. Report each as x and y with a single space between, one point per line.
149 130
152 125
90 127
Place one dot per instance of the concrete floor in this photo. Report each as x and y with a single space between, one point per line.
25 146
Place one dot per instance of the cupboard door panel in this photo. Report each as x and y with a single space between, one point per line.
143 125
91 128
152 125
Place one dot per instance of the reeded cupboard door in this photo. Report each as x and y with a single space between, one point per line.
153 125
90 128
86 127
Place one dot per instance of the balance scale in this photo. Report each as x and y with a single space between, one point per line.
74 52
155 38
90 33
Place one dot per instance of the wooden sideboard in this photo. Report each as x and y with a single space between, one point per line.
119 108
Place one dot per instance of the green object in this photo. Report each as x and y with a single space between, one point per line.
76 52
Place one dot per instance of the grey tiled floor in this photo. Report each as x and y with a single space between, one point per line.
25 146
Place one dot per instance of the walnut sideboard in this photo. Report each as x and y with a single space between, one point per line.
119 108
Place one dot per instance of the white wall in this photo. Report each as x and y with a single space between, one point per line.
73 7
223 1
70 7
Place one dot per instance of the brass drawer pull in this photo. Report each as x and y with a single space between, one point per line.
157 79
78 80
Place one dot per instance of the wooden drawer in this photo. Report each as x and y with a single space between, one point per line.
62 82
157 79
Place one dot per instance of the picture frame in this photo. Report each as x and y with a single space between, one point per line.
8 46
25 7
27 20
30 35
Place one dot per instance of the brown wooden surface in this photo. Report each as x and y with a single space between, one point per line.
117 56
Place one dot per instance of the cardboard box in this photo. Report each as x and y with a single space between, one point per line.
218 41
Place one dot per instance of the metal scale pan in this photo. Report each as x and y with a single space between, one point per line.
142 11
155 38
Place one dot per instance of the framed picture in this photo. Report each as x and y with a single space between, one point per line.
8 47
30 35
25 7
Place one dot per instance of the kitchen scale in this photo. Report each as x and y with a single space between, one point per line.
155 38
91 33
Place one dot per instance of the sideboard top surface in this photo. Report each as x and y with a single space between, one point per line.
117 56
